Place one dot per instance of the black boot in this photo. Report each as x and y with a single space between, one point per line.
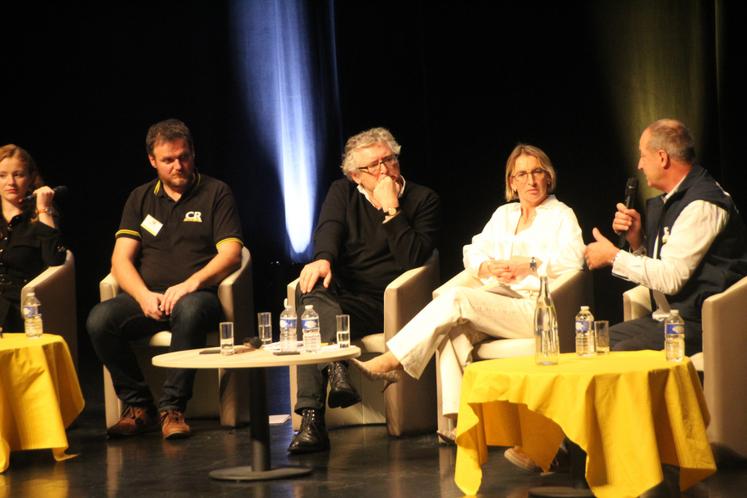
313 434
341 393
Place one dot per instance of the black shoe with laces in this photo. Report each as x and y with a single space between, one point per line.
341 393
313 436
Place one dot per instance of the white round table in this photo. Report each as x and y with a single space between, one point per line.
255 360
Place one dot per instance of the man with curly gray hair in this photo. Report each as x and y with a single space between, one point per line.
372 227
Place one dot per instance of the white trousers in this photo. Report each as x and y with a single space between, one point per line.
451 324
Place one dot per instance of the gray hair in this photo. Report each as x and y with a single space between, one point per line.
673 137
366 139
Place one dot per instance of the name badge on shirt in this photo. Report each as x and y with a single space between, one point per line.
152 225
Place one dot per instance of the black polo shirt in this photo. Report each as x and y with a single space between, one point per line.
179 238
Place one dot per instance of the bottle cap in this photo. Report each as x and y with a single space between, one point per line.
584 308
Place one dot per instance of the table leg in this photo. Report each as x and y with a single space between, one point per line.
259 429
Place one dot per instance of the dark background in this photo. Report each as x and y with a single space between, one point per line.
458 83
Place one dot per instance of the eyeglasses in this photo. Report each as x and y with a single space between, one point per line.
536 173
375 167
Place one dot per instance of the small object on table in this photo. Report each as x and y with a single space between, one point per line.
252 343
343 330
264 323
226 338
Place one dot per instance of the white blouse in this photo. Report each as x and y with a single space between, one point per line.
554 238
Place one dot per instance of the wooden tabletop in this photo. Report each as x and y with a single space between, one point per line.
257 358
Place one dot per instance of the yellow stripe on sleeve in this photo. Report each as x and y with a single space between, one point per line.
230 239
125 232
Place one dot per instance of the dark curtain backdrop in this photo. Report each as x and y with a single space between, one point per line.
459 84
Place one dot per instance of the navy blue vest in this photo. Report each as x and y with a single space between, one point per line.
726 260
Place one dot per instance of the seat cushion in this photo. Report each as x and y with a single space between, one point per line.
503 348
160 339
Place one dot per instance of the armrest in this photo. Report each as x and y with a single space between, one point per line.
636 303
55 288
569 292
408 294
108 287
461 279
45 280
724 343
235 293
291 293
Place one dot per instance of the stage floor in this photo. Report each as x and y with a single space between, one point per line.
363 462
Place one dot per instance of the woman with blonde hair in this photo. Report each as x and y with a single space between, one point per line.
29 236
537 233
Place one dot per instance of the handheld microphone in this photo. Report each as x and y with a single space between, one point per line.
59 190
631 188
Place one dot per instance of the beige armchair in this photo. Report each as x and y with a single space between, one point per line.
722 362
228 397
569 292
408 406
55 288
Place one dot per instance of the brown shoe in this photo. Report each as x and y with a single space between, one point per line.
173 425
135 420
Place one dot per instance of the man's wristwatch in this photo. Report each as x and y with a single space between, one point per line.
391 211
533 264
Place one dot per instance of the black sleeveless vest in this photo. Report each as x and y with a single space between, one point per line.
724 263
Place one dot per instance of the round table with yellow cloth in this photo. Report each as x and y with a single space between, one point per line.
629 411
39 395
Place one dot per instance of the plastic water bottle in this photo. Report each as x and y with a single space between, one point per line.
288 321
312 339
585 343
32 317
547 348
674 336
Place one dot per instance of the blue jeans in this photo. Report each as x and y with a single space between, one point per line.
114 323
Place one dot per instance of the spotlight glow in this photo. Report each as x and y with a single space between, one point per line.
271 42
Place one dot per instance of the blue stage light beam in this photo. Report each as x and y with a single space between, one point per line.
272 43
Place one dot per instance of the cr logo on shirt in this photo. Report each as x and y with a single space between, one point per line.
195 216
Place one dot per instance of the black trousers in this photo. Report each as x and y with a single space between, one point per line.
647 333
366 317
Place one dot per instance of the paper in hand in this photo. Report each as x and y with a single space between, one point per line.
498 287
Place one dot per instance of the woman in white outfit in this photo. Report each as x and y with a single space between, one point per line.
537 233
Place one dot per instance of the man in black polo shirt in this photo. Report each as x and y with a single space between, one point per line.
372 227
180 235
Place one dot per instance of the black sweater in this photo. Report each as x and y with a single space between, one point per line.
367 254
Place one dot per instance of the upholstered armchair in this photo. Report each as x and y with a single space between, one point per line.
225 395
55 288
407 407
722 362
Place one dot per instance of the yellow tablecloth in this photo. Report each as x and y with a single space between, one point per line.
39 395
630 412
